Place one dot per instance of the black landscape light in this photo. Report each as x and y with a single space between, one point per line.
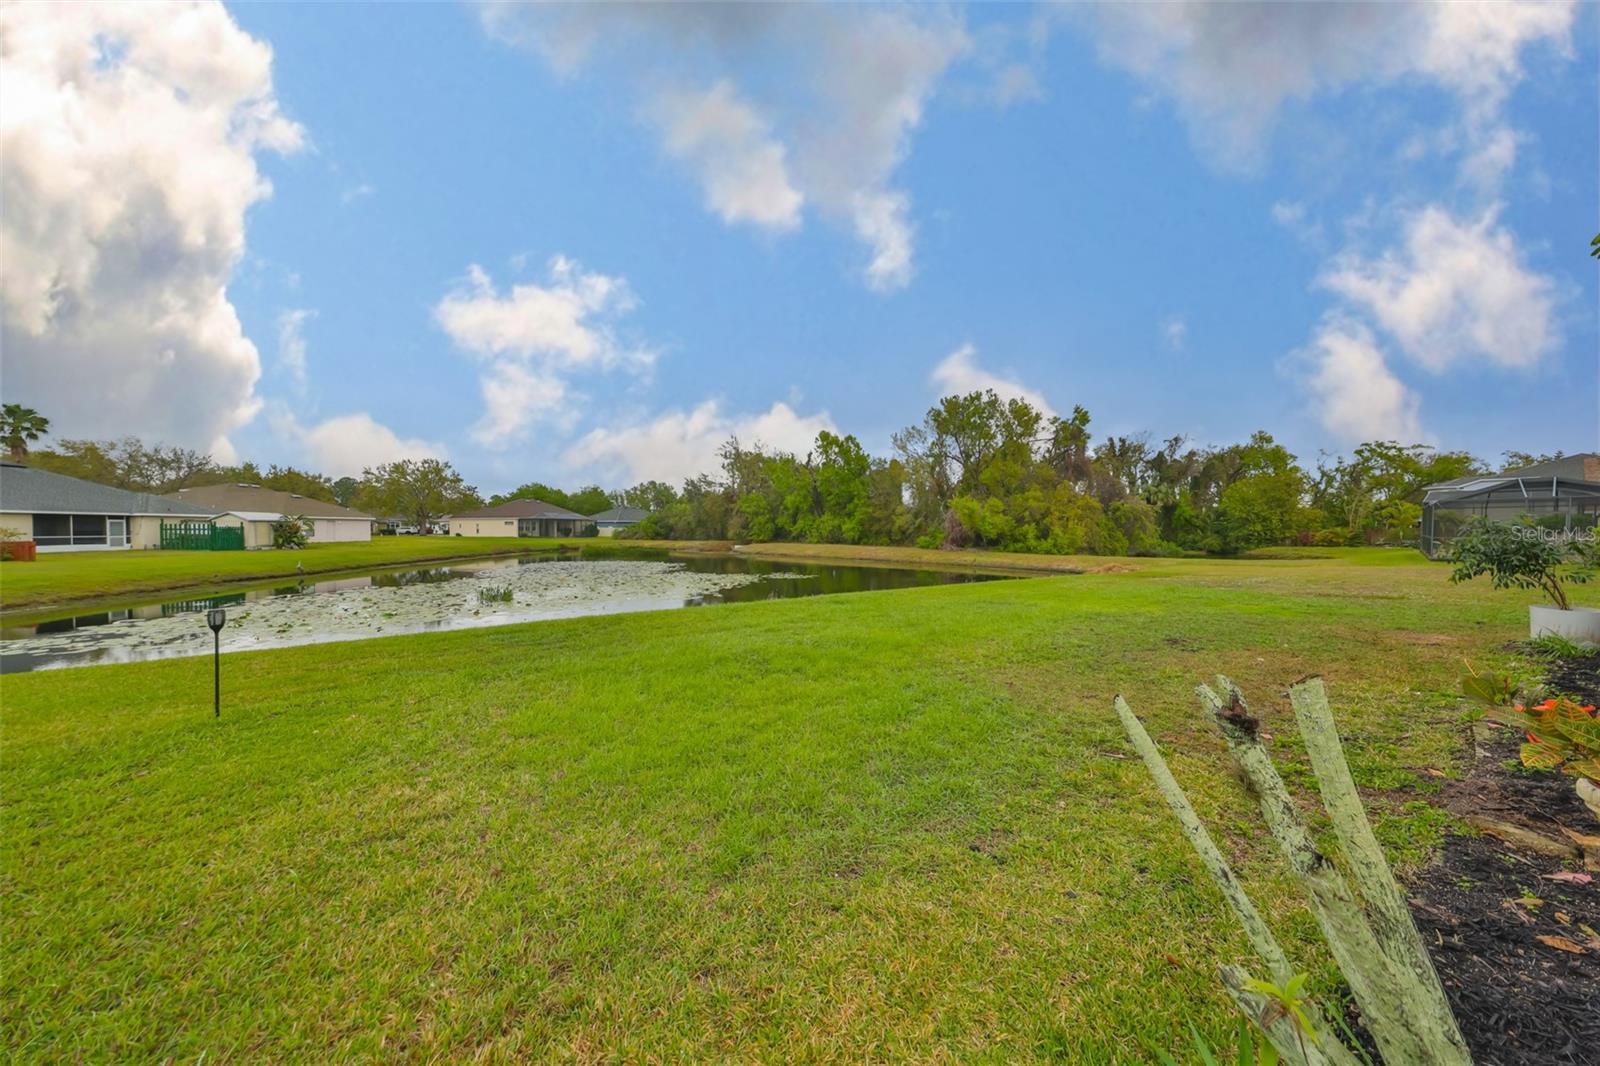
216 618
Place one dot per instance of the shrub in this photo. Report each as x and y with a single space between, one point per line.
290 532
1561 735
1519 556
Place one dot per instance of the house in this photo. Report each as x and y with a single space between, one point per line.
1562 494
256 508
608 522
60 513
522 518
1585 466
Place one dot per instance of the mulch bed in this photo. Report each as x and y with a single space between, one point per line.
1509 940
1577 677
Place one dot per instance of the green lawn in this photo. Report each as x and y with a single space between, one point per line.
58 578
891 825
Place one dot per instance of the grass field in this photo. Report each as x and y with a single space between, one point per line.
892 825
58 578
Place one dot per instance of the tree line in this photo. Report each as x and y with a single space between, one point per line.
983 471
979 470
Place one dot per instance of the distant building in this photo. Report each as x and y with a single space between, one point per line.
1562 494
257 508
607 523
60 513
521 518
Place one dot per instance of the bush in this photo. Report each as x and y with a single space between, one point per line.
1519 556
290 531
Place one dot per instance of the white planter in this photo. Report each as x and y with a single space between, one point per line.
1581 625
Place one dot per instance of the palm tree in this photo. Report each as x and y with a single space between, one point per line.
20 426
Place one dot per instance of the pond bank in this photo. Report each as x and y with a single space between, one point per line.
465 595
75 582
78 583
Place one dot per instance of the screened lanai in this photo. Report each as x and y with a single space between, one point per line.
1553 503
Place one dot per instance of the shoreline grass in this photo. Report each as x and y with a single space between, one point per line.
885 825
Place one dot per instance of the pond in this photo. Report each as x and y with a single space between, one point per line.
480 592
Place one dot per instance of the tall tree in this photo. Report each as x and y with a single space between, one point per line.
648 496
418 489
344 491
19 427
129 463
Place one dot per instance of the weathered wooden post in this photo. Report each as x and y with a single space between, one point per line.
1368 928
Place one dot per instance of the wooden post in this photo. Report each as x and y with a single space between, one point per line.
1255 927
1368 928
1396 933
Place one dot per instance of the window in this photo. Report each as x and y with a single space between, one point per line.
88 529
52 529
79 530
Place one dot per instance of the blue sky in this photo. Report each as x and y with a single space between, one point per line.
640 230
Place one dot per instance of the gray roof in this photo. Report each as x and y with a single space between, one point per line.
1511 487
522 509
1584 466
25 490
629 515
244 497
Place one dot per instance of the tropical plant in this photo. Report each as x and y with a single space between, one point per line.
1561 735
19 427
1487 688
290 531
1519 556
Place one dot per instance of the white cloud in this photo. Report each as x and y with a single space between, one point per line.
129 134
1356 396
830 132
1231 67
531 338
1292 216
1176 332
292 344
743 170
882 221
959 373
681 444
346 445
514 397
356 192
1455 291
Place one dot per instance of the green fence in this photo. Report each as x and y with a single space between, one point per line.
202 536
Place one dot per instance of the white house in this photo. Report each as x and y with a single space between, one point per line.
257 508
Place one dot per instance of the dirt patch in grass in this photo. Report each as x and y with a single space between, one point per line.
1512 930
1429 640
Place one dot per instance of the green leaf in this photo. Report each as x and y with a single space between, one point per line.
1537 755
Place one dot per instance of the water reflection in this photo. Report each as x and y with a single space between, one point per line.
462 595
